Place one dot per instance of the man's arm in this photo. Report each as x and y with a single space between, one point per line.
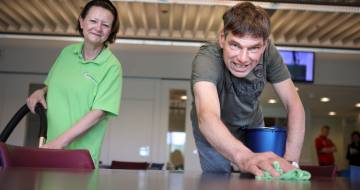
296 118
329 149
216 133
333 148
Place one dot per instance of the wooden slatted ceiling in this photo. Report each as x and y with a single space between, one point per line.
181 21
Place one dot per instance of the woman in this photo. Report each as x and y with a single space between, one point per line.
353 150
83 87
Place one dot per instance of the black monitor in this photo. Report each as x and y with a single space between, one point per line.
300 64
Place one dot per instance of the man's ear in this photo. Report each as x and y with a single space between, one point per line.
221 38
266 42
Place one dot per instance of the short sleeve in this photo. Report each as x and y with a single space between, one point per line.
109 91
276 70
51 71
49 75
207 65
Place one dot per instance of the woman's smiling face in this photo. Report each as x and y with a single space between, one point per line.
97 25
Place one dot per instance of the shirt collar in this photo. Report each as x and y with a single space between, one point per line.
100 59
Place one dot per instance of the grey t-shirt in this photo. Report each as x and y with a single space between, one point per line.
239 97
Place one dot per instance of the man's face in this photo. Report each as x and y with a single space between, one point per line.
241 54
325 131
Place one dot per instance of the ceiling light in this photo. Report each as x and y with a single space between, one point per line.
272 101
183 97
325 99
357 105
332 113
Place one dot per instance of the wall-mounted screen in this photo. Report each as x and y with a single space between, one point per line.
300 64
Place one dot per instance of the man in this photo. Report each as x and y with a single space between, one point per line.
325 148
227 80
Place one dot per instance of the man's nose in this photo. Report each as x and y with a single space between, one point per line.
242 56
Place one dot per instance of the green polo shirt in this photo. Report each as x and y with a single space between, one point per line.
75 87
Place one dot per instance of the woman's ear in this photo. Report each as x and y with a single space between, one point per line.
81 21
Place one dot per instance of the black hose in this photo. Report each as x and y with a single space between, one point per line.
39 109
17 118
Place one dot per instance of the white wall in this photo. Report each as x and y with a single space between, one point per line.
136 126
337 69
27 61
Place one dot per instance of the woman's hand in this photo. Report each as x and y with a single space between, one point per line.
55 144
37 97
82 126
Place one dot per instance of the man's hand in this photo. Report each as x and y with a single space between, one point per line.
256 163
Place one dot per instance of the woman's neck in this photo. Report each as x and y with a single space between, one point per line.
90 52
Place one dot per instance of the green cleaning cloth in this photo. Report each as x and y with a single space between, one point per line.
295 174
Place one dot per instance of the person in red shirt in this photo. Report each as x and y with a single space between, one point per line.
325 148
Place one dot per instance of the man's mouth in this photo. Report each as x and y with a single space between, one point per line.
239 67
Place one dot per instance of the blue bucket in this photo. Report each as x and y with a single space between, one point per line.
265 139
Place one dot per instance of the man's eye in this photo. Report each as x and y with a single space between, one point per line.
254 49
234 46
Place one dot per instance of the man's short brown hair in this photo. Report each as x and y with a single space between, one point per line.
247 19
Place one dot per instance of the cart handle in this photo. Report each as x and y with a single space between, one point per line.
39 109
